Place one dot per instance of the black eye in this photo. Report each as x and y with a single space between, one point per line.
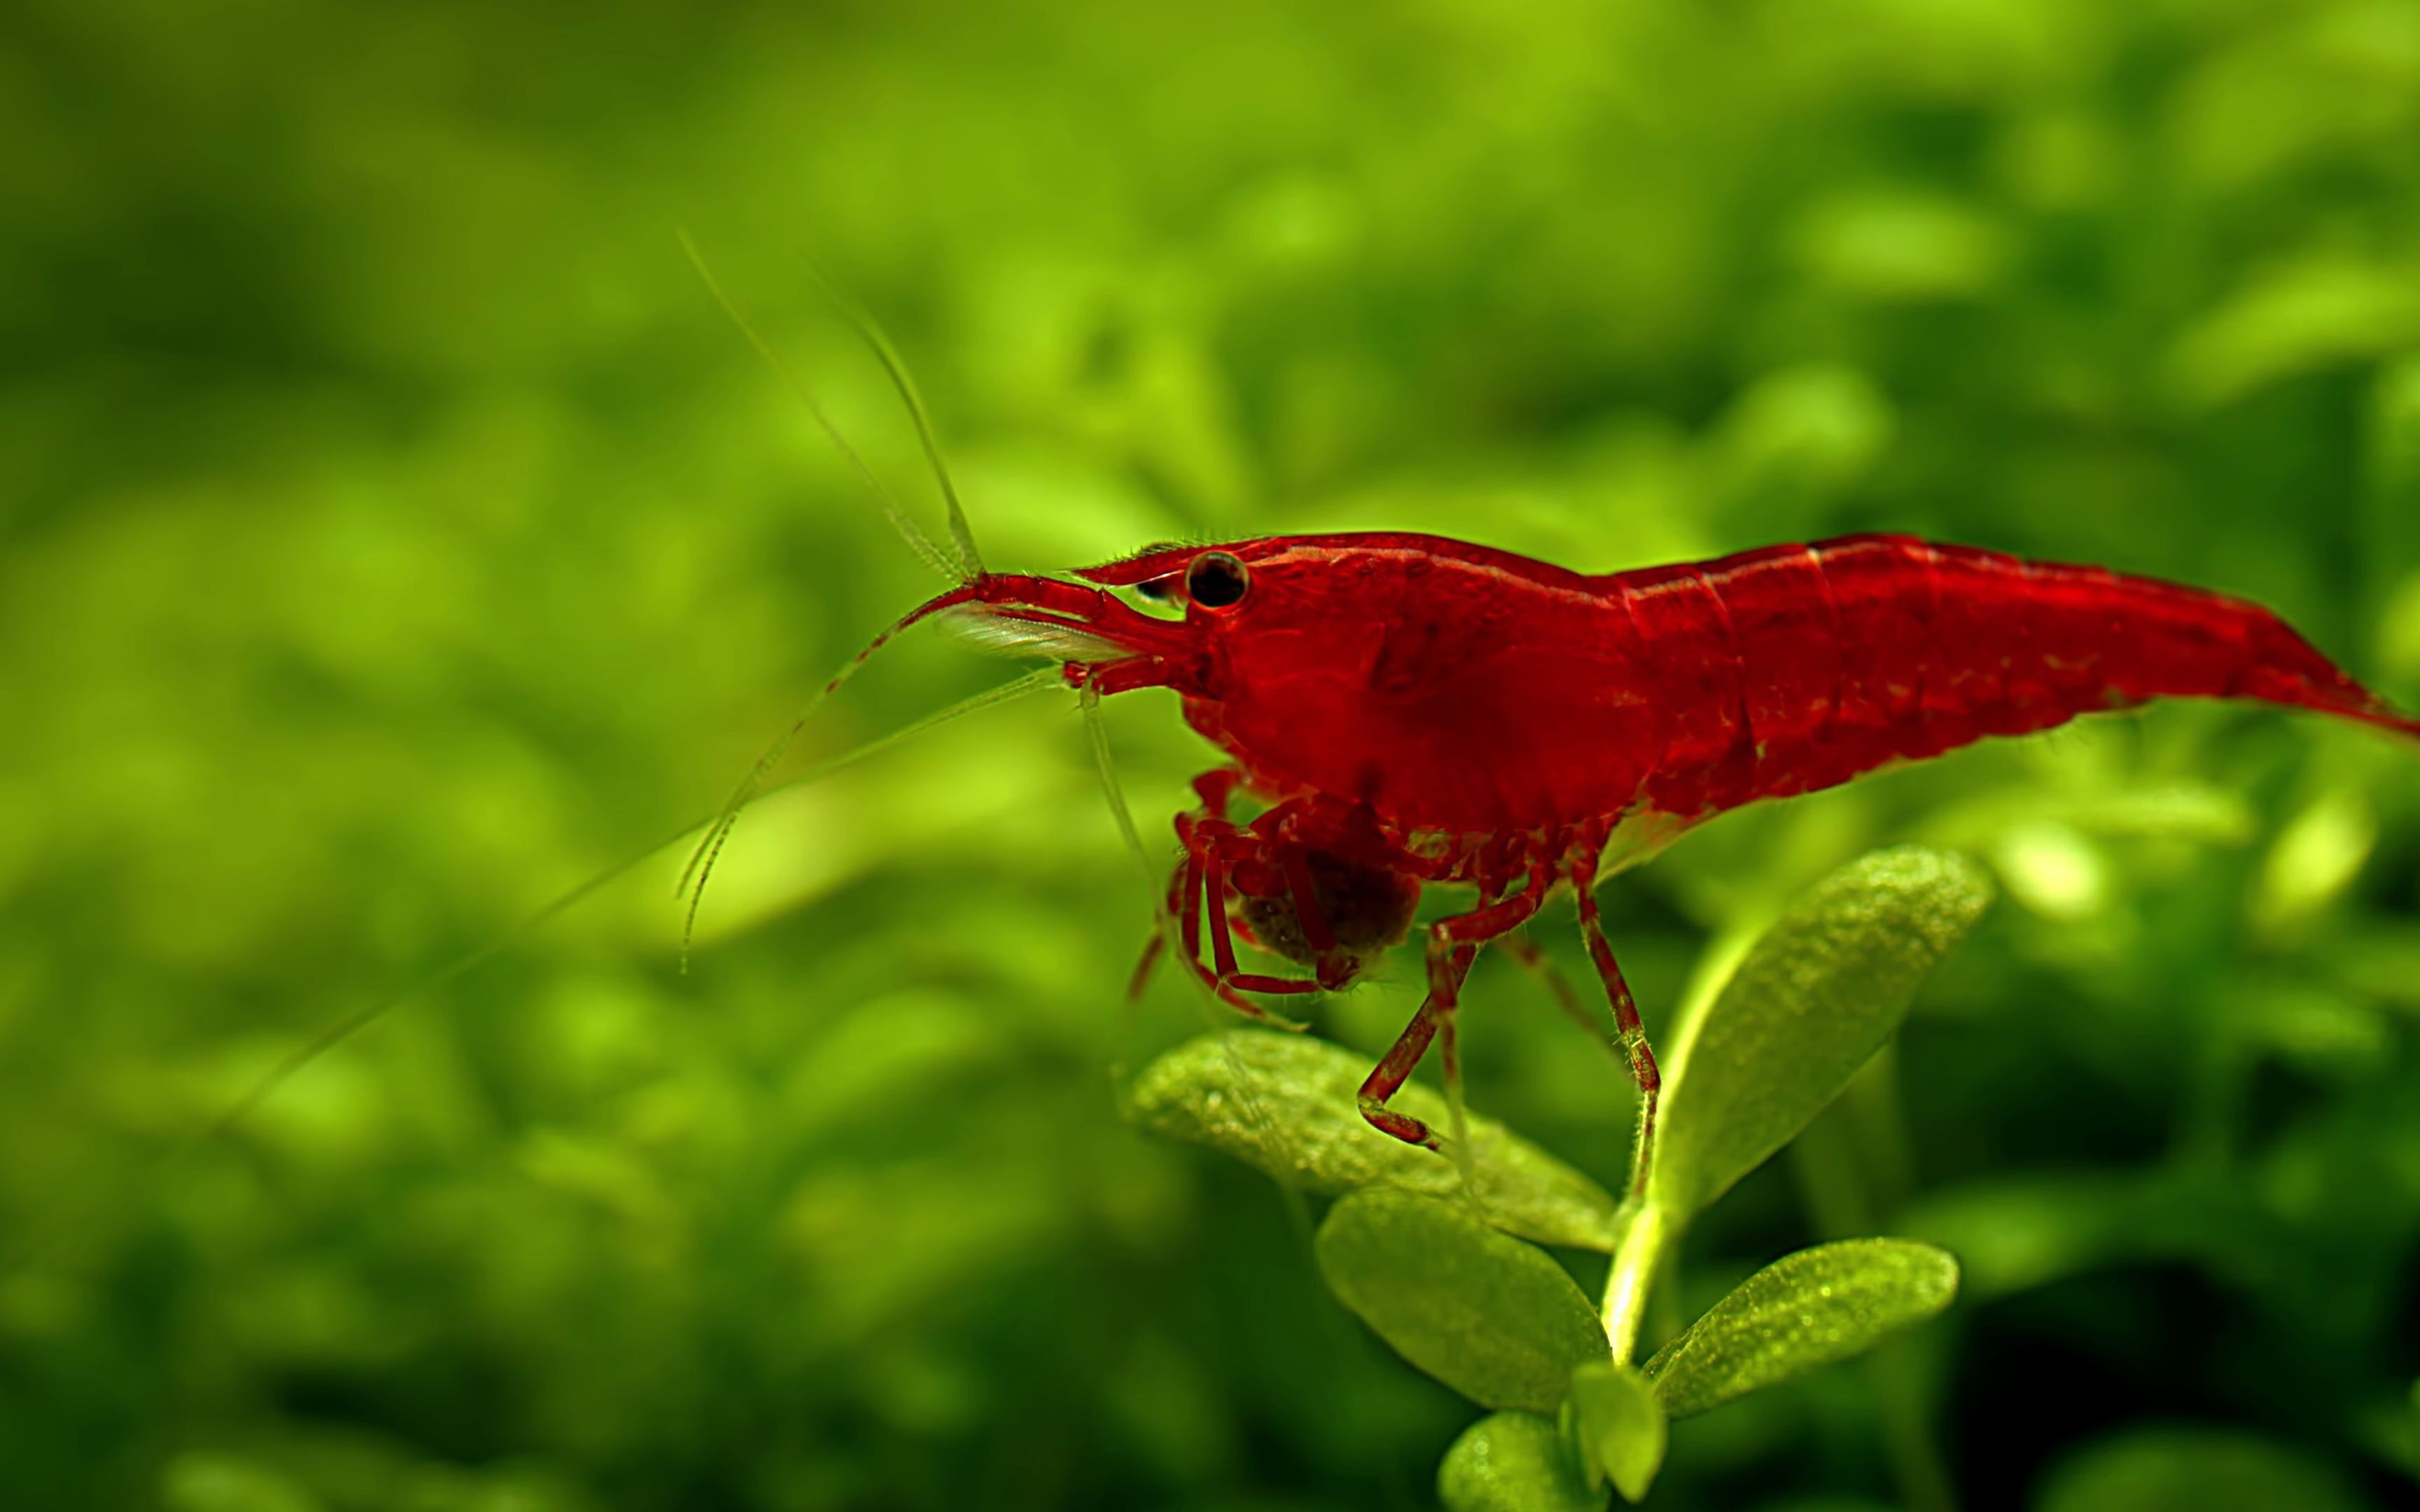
1216 580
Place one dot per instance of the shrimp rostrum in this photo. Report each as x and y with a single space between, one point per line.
1408 711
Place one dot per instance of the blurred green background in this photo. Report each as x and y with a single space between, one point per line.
392 533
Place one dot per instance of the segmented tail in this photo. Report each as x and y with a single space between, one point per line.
2077 638
1794 668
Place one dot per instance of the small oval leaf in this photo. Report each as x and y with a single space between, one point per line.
1495 1318
204 1482
1620 1426
1290 1105
2015 1233
2196 1469
1815 997
1802 1311
1514 1462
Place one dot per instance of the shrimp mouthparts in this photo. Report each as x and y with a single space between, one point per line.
1089 629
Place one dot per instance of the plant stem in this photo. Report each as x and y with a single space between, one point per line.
1635 1261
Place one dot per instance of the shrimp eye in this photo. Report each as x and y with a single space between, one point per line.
1216 580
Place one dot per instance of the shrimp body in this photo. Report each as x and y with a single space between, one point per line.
1463 691
1412 710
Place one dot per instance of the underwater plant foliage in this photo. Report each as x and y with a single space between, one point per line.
395 535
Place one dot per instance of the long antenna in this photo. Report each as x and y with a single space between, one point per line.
708 850
944 562
960 561
969 560
342 1029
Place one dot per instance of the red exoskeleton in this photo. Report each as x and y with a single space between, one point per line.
1411 711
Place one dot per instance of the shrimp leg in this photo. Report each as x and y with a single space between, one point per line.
1527 954
1453 946
1231 977
1184 906
1201 872
1643 1069
1198 832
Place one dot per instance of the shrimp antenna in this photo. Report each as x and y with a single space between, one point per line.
969 560
948 564
699 865
960 561
341 1029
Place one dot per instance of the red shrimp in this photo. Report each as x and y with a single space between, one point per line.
1413 711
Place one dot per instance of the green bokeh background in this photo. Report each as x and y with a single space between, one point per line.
392 533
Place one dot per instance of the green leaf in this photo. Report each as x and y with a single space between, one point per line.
1291 1106
1514 1462
2019 1232
2195 1470
1816 996
1802 1311
1495 1318
2014 1234
205 1482
2318 854
1620 1426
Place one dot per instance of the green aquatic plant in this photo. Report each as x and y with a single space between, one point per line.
1448 1274
394 533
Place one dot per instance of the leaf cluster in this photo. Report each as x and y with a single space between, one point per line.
1447 1275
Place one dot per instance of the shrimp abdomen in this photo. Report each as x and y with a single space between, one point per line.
1849 654
2072 639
